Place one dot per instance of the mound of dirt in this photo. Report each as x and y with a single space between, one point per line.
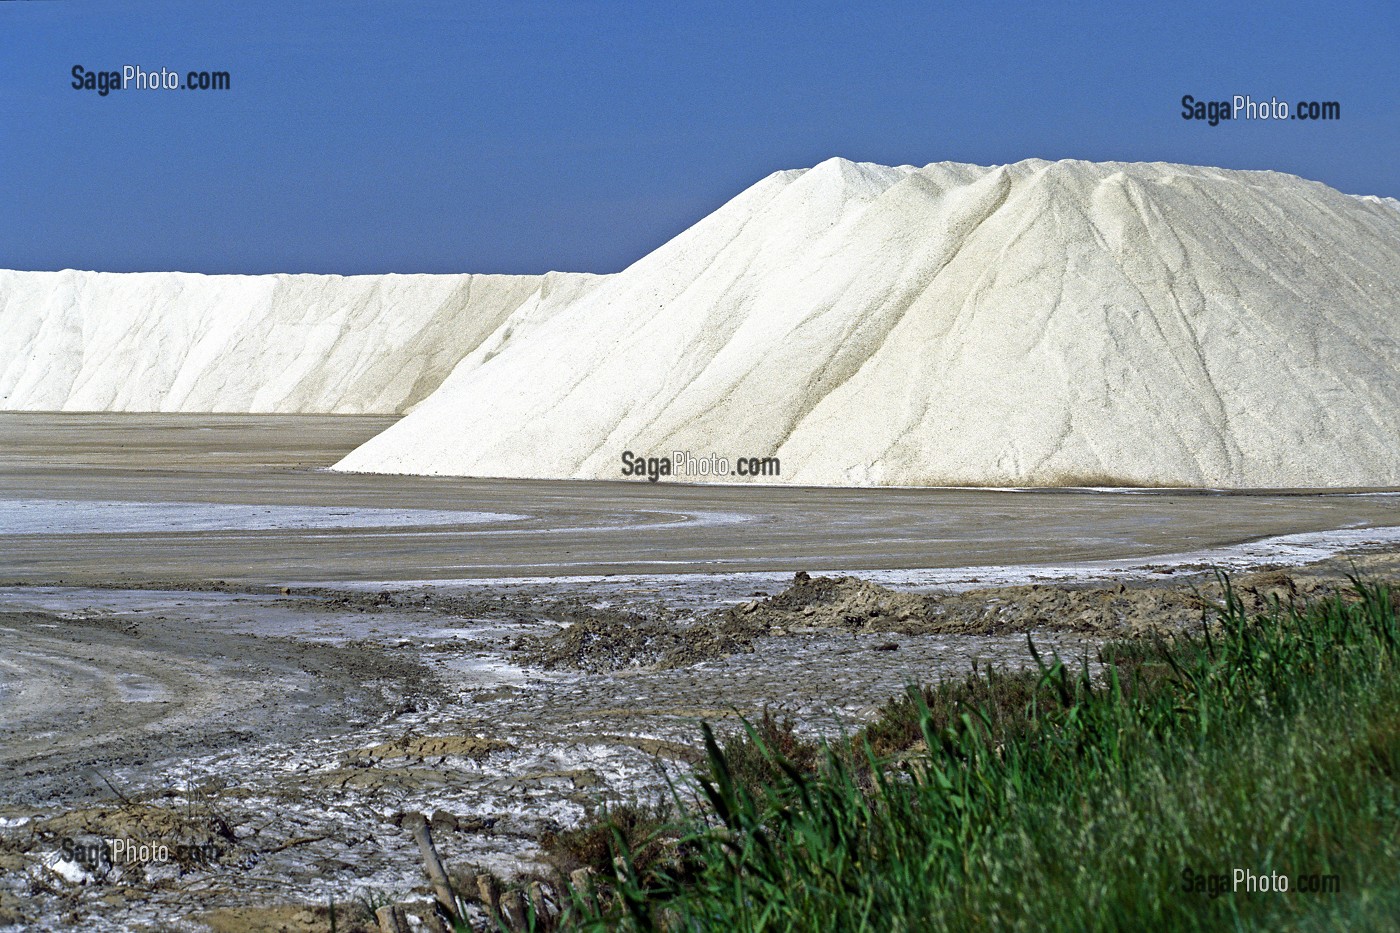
608 643
832 602
821 605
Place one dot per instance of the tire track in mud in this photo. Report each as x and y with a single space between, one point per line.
81 699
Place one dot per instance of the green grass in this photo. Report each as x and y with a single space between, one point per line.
1055 800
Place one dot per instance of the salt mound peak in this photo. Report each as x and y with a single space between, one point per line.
1039 323
1373 199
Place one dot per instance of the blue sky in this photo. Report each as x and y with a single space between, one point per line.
523 137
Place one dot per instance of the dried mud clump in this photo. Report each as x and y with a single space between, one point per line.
833 602
603 644
823 605
433 746
820 604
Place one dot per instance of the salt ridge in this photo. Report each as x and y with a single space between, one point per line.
184 342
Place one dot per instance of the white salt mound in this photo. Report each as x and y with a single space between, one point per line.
1042 323
173 341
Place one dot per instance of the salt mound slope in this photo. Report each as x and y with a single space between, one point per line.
1041 323
172 341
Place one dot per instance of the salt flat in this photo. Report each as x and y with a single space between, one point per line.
550 529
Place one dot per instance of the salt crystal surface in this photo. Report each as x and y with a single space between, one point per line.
1042 323
182 342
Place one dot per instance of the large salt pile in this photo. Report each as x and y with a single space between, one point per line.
1039 323
169 341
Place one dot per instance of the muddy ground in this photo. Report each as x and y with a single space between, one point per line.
827 605
210 644
274 741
